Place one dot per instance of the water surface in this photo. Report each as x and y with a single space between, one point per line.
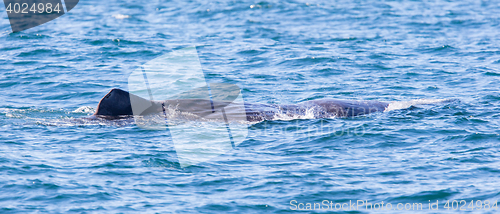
277 52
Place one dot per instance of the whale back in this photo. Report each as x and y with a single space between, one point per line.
117 103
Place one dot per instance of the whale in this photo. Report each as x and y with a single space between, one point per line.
118 103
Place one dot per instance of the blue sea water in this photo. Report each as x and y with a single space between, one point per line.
277 52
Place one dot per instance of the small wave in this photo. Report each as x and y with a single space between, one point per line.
310 113
397 105
4 32
71 122
121 16
84 109
26 112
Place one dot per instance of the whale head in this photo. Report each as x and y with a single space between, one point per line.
115 103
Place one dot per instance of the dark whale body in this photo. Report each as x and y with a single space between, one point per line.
116 104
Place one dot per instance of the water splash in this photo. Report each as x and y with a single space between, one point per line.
310 113
398 105
85 109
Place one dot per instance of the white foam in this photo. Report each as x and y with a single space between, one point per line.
309 114
397 105
121 16
84 109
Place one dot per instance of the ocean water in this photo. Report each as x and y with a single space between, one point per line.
52 76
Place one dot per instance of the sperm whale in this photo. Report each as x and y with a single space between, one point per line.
117 103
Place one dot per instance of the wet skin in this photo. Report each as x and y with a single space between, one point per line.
117 104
